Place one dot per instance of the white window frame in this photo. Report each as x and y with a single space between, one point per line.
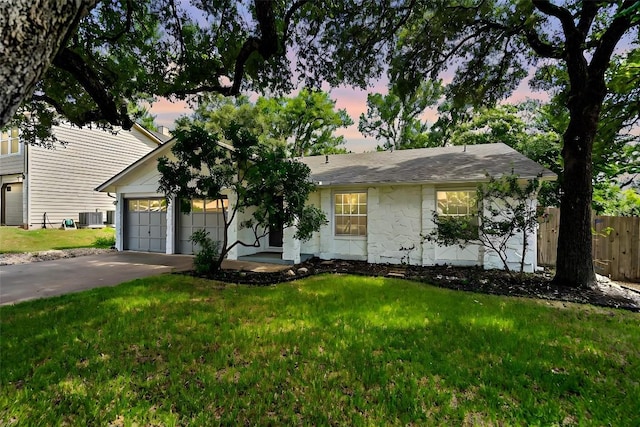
472 209
11 135
339 212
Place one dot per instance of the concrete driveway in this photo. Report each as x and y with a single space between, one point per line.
22 282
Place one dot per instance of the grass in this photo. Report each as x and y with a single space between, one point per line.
16 240
341 350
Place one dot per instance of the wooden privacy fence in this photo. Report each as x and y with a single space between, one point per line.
616 244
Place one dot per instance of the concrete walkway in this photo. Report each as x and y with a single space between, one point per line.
22 282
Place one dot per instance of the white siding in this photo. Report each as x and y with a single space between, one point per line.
62 180
12 163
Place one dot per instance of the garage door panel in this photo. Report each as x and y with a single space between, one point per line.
198 220
133 218
145 230
155 218
156 245
211 222
215 233
157 232
144 244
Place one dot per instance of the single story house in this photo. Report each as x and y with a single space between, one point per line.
378 205
40 187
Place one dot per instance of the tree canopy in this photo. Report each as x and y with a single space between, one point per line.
304 124
125 52
394 119
257 178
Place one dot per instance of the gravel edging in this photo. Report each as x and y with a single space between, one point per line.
29 257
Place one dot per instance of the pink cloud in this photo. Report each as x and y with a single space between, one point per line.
166 112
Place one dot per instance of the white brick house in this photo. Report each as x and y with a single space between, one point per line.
378 205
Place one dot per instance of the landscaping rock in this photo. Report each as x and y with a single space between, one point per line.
28 257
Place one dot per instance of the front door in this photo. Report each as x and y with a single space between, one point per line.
275 229
275 236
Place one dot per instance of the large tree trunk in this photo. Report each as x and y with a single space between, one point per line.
32 32
574 265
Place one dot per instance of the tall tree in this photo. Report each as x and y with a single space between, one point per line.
304 124
491 44
128 51
32 33
394 119
616 157
307 122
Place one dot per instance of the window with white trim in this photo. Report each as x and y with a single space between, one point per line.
350 214
9 142
460 210
457 203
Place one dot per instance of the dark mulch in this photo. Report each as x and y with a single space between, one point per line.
470 279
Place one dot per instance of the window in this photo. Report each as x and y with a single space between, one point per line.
147 205
9 142
350 214
457 210
209 206
457 203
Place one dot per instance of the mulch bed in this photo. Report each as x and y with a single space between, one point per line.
470 279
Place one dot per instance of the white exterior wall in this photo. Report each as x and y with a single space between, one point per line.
397 218
290 245
331 246
394 224
62 180
312 246
514 251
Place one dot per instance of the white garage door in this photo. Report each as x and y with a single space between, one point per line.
205 214
146 225
12 204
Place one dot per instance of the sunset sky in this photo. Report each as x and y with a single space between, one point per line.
352 100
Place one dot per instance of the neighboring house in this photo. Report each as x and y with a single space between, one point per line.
41 187
378 206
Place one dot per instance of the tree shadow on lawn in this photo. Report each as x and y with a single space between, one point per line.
329 348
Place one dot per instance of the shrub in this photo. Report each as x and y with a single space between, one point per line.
105 242
205 259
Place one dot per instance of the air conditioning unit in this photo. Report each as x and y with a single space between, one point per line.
111 217
90 220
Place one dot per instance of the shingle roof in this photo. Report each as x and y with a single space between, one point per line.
424 165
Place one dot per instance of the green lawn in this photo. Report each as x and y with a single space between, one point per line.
341 350
14 240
